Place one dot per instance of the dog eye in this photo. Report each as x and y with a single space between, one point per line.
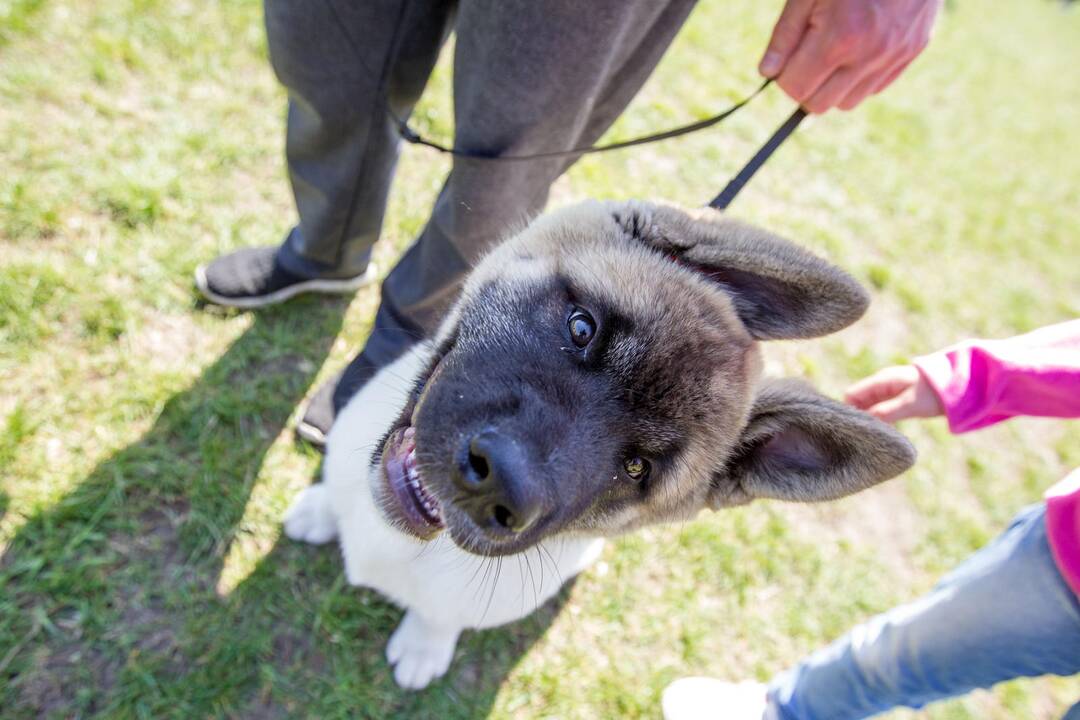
637 468
582 327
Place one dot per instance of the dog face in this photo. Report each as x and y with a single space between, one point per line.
601 372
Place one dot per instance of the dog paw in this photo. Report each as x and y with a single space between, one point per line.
309 518
419 652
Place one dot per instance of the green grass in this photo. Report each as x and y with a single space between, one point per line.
145 456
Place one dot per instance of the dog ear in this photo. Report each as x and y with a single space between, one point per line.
804 447
779 290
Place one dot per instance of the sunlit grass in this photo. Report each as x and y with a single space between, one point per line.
144 453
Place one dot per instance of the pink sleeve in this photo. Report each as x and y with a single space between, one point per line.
982 382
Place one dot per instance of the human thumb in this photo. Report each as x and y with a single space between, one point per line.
786 36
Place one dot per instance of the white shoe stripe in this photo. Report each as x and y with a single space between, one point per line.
346 285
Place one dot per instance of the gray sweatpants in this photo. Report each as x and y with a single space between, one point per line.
529 76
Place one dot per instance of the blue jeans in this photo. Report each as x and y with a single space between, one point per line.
1004 613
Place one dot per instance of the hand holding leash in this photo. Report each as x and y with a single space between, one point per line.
837 53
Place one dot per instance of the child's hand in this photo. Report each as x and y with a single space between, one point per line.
895 393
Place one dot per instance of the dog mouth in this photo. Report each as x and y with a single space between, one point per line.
409 502
412 490
403 495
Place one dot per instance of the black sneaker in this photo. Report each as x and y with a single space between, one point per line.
253 278
331 398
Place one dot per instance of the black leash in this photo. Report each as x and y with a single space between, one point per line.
720 202
415 138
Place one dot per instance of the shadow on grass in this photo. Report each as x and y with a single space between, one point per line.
109 604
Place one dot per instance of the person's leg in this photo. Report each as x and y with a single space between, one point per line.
528 77
1005 613
343 64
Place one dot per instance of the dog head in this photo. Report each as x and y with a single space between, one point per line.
601 371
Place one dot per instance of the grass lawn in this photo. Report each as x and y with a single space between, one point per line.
146 455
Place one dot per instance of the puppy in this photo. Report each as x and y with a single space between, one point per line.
601 371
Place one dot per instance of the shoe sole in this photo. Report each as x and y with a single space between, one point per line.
311 434
329 287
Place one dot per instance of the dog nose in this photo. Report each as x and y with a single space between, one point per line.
495 476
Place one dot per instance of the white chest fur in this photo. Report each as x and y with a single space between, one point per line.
444 588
